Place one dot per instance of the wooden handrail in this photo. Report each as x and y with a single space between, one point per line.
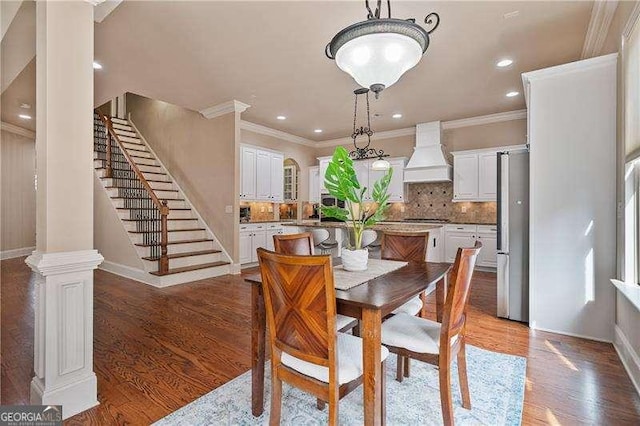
162 206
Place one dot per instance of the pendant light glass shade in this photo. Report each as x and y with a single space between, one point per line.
380 164
378 59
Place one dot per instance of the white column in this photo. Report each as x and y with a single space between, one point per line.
64 259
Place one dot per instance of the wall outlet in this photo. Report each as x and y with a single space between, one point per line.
271 209
228 209
262 209
402 208
463 209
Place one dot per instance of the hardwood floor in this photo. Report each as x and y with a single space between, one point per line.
156 350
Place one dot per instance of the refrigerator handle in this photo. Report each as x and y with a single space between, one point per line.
499 201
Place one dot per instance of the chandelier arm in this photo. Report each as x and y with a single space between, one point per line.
429 20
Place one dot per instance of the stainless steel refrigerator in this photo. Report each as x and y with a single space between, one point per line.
513 235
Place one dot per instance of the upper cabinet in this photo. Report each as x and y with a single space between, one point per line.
324 163
314 184
261 175
475 175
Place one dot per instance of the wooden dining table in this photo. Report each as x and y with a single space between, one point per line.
370 303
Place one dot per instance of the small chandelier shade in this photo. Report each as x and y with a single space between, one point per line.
378 51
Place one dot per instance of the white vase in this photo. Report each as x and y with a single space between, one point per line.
355 260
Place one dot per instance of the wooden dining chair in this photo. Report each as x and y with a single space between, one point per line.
307 351
302 245
435 343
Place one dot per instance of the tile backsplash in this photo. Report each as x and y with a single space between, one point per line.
260 211
433 201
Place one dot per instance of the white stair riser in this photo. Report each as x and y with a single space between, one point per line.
145 154
130 139
171 195
150 169
200 274
119 120
173 224
181 262
175 214
173 204
154 185
134 146
178 248
173 236
146 161
118 127
156 176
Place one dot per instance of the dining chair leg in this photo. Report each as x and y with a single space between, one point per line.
407 370
276 399
462 376
333 407
320 404
356 330
383 391
400 369
445 390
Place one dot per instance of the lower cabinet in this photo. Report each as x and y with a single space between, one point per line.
255 236
435 248
457 236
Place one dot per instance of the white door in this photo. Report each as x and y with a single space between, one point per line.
259 240
455 240
487 176
245 247
396 187
324 163
314 185
465 177
247 173
263 175
277 178
488 253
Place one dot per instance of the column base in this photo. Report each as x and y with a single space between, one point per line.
75 397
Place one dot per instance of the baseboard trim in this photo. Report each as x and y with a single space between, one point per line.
564 333
12 254
129 272
629 357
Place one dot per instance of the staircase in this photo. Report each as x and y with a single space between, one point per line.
171 240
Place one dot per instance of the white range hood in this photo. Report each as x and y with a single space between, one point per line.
428 163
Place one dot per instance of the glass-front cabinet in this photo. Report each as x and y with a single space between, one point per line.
290 183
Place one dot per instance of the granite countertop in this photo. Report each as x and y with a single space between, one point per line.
420 222
268 221
383 226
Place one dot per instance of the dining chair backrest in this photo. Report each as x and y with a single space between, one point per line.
320 235
300 304
407 246
294 244
455 308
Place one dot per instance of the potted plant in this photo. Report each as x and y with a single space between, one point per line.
341 181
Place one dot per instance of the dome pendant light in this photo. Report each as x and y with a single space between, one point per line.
378 51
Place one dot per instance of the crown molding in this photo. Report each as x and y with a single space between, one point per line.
268 131
581 65
632 21
485 119
601 16
12 128
407 131
224 108
103 8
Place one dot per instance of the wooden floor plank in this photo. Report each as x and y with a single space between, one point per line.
156 350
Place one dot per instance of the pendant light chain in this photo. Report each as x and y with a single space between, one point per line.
365 152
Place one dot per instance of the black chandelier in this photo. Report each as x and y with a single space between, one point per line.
366 152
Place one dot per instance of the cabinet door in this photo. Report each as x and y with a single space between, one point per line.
259 240
263 174
277 178
362 172
435 249
324 163
374 176
270 234
487 176
488 253
465 177
396 187
247 173
245 247
455 240
314 184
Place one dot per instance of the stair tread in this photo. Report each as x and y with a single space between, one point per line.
187 254
169 230
143 208
197 240
159 198
177 218
148 180
155 189
191 268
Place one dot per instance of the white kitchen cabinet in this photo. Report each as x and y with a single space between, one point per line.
245 247
263 175
324 163
487 257
273 229
457 236
362 173
465 177
488 176
397 185
314 184
252 237
276 178
247 173
435 249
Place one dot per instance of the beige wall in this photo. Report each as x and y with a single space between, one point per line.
505 133
199 153
109 236
18 198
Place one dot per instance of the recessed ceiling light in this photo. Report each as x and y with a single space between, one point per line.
96 66
25 106
318 130
504 63
25 116
281 117
397 115
512 94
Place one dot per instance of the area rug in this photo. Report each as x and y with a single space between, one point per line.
496 383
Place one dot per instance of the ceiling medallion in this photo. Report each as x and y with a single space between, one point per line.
378 51
366 153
